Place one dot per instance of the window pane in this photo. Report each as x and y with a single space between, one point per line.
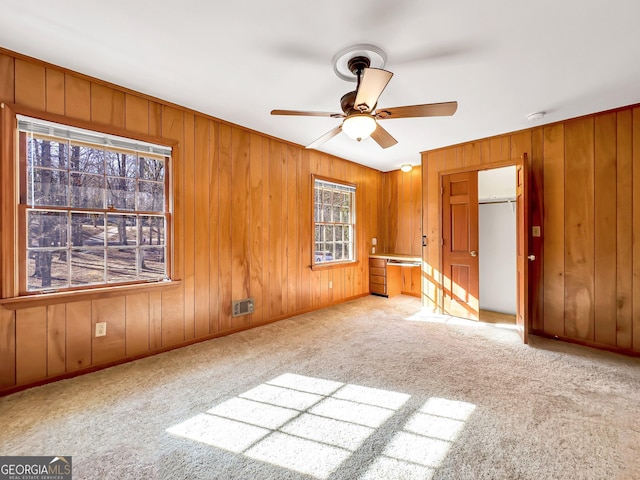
121 193
317 212
317 194
151 169
46 229
47 269
152 230
122 230
326 213
336 214
44 152
47 187
87 266
87 159
87 191
337 199
338 251
328 233
346 231
152 264
121 164
87 229
151 196
329 252
347 251
121 265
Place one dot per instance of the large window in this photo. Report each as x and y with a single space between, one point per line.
334 222
94 209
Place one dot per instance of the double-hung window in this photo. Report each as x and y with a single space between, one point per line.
334 221
94 208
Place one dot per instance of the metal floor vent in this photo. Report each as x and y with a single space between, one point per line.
242 307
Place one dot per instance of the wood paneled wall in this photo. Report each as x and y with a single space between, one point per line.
402 212
242 228
585 282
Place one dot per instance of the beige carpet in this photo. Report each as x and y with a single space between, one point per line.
370 389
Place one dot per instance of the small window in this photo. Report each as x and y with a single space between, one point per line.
334 222
94 208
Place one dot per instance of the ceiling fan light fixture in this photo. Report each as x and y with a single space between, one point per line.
406 167
359 126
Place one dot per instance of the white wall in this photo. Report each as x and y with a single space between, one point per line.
497 256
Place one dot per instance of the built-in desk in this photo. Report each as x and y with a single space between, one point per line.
392 274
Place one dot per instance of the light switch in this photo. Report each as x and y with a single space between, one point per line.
374 241
535 231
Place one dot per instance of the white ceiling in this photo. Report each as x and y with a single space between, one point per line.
237 60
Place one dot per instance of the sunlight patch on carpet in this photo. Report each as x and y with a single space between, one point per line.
424 442
305 424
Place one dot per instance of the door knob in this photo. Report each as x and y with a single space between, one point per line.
531 257
474 253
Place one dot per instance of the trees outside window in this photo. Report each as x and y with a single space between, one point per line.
334 221
93 213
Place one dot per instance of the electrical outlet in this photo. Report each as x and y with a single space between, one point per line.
330 284
373 250
101 329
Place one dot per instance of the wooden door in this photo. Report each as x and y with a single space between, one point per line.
522 234
460 244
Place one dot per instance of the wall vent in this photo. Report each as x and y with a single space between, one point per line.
242 307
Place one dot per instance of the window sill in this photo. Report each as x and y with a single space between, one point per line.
42 299
328 266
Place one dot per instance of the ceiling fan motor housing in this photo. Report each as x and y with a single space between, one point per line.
358 64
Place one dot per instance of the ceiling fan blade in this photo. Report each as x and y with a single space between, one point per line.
373 82
445 109
327 136
383 138
307 114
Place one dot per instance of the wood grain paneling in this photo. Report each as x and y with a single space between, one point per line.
155 320
624 229
214 226
107 106
553 230
635 327
79 333
7 348
30 84
579 229
202 229
56 339
136 324
7 78
112 346
402 212
54 91
584 196
605 178
189 278
136 114
224 233
77 97
241 220
31 344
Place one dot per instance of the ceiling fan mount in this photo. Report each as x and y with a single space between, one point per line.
360 117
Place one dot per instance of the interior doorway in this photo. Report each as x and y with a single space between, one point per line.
497 238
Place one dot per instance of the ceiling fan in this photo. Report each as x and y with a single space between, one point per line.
359 107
